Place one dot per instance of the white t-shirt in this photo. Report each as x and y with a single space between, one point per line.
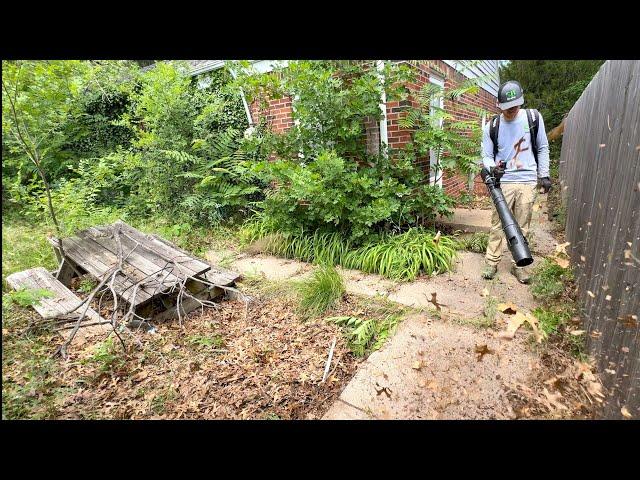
514 148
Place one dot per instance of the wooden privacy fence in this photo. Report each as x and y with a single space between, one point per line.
600 181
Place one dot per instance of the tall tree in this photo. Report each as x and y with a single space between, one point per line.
551 86
37 97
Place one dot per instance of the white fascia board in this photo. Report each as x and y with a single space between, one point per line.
474 72
257 66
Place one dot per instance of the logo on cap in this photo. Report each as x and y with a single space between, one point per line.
511 94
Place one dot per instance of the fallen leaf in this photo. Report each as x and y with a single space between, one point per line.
553 399
508 308
435 301
629 321
533 321
608 298
577 332
563 262
582 258
513 325
625 412
482 350
593 387
562 248
385 390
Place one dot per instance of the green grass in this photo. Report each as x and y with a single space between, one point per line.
321 291
215 341
399 257
488 318
87 285
107 357
474 243
24 246
549 281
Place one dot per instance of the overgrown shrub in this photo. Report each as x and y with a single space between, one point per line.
327 177
334 194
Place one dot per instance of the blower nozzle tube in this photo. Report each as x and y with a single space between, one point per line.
518 245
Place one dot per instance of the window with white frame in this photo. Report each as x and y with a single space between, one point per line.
435 172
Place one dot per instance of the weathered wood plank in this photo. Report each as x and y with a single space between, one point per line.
166 249
63 301
96 261
136 256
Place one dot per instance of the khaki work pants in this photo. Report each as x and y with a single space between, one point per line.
520 198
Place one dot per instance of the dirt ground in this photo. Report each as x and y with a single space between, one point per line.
255 361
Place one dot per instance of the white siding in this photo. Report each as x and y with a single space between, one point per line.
477 69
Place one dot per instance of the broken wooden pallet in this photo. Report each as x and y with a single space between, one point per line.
62 302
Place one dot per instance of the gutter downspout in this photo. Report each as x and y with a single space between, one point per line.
384 136
244 101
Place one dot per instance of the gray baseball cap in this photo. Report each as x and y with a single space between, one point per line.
510 95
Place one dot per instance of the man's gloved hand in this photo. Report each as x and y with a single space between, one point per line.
498 171
545 182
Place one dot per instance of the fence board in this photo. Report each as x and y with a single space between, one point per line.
600 181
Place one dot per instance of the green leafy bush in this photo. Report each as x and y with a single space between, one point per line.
321 291
334 194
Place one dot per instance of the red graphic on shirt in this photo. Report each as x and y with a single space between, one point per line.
514 161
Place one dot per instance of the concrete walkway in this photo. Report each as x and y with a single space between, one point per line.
430 368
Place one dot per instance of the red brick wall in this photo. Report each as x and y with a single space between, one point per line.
453 184
278 114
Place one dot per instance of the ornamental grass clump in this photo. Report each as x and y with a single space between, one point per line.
400 257
321 291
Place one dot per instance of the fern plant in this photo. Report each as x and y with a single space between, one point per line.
366 334
435 130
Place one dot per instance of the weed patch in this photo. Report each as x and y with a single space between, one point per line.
549 281
476 242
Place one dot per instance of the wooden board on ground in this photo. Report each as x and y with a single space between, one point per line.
58 305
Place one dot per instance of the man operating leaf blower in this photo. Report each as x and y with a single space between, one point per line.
515 152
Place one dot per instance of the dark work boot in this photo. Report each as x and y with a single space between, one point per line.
521 273
489 271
